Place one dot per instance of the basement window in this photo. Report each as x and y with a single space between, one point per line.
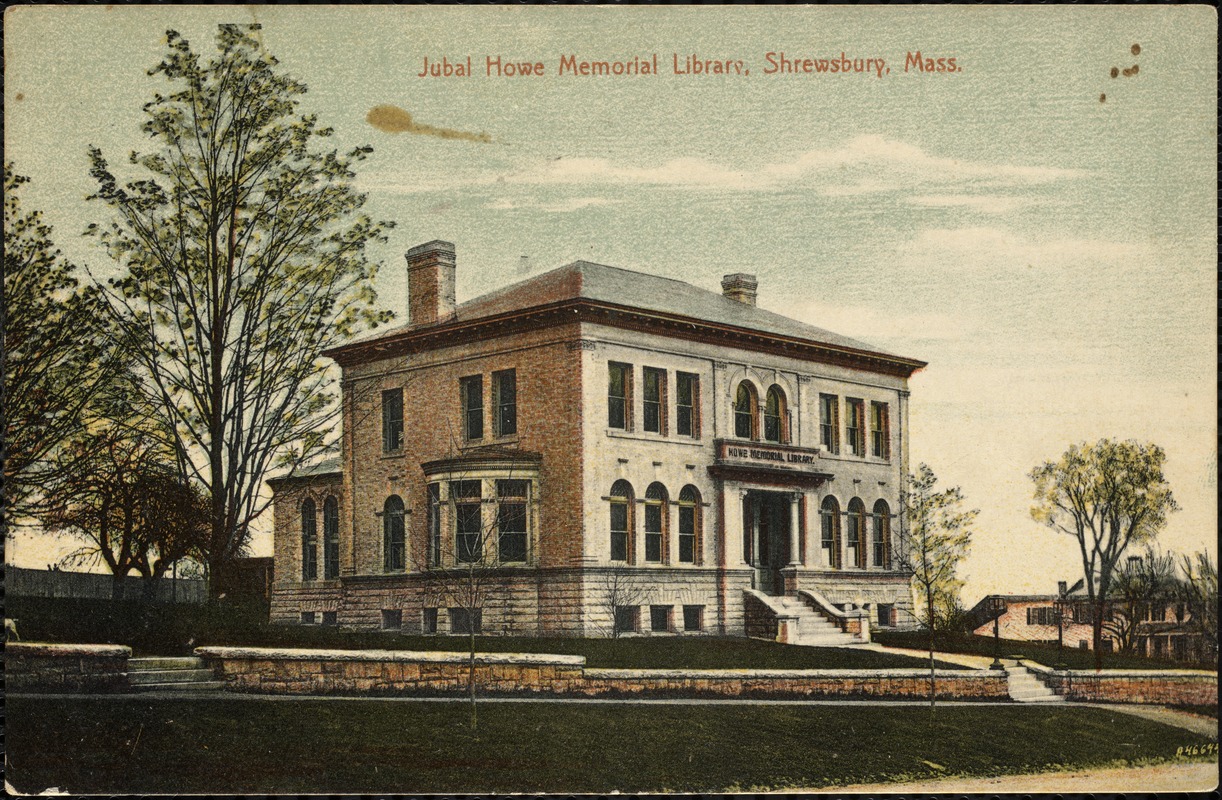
659 619
330 618
693 618
392 619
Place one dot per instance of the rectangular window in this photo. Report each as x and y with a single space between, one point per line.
693 618
428 622
471 390
653 417
627 619
505 401
434 512
884 614
619 531
659 619
653 532
392 619
854 432
687 403
330 617
307 617
465 620
619 394
468 528
1041 616
392 420
687 534
511 520
880 431
829 422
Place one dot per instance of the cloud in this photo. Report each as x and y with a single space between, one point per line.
865 164
873 324
868 164
991 245
392 119
988 204
564 206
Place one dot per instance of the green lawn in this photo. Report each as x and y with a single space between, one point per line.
177 630
222 746
1048 655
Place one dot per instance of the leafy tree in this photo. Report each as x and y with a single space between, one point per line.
245 258
1107 496
1143 582
1199 592
53 356
939 536
117 490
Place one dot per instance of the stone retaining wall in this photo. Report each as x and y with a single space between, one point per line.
385 672
1158 687
379 672
795 683
45 667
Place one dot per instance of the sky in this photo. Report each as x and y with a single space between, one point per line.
1040 232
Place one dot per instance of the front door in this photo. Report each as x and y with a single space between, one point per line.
772 552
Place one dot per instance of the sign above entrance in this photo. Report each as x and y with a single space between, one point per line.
770 456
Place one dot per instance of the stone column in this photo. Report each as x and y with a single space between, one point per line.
795 520
732 529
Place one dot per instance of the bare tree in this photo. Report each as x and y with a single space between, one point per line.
1198 590
1107 496
244 257
619 589
473 540
1144 582
939 536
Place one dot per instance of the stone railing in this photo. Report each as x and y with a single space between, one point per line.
384 672
46 667
855 622
1158 687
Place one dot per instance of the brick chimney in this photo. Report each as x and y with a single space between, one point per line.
1062 587
740 286
430 283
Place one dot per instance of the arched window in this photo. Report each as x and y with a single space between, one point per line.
655 523
775 427
330 537
309 541
689 525
855 545
829 518
882 535
746 409
621 521
394 542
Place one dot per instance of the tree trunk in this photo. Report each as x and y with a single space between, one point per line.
933 688
116 585
216 567
1097 637
471 667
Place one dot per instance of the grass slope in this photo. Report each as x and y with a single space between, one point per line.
177 630
222 746
1046 654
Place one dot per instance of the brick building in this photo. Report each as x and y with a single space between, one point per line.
612 449
1161 630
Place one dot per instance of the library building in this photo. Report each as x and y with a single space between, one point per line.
595 451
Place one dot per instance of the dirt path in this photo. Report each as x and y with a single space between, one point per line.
1187 777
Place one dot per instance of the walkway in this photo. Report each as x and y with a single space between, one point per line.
1191 777
962 659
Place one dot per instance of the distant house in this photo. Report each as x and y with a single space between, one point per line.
1163 629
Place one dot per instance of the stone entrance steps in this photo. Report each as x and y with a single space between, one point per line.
184 674
813 628
1024 687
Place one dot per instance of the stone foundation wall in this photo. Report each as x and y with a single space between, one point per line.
43 667
1157 687
376 672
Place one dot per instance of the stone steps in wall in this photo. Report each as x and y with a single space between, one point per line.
1024 687
814 630
179 674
